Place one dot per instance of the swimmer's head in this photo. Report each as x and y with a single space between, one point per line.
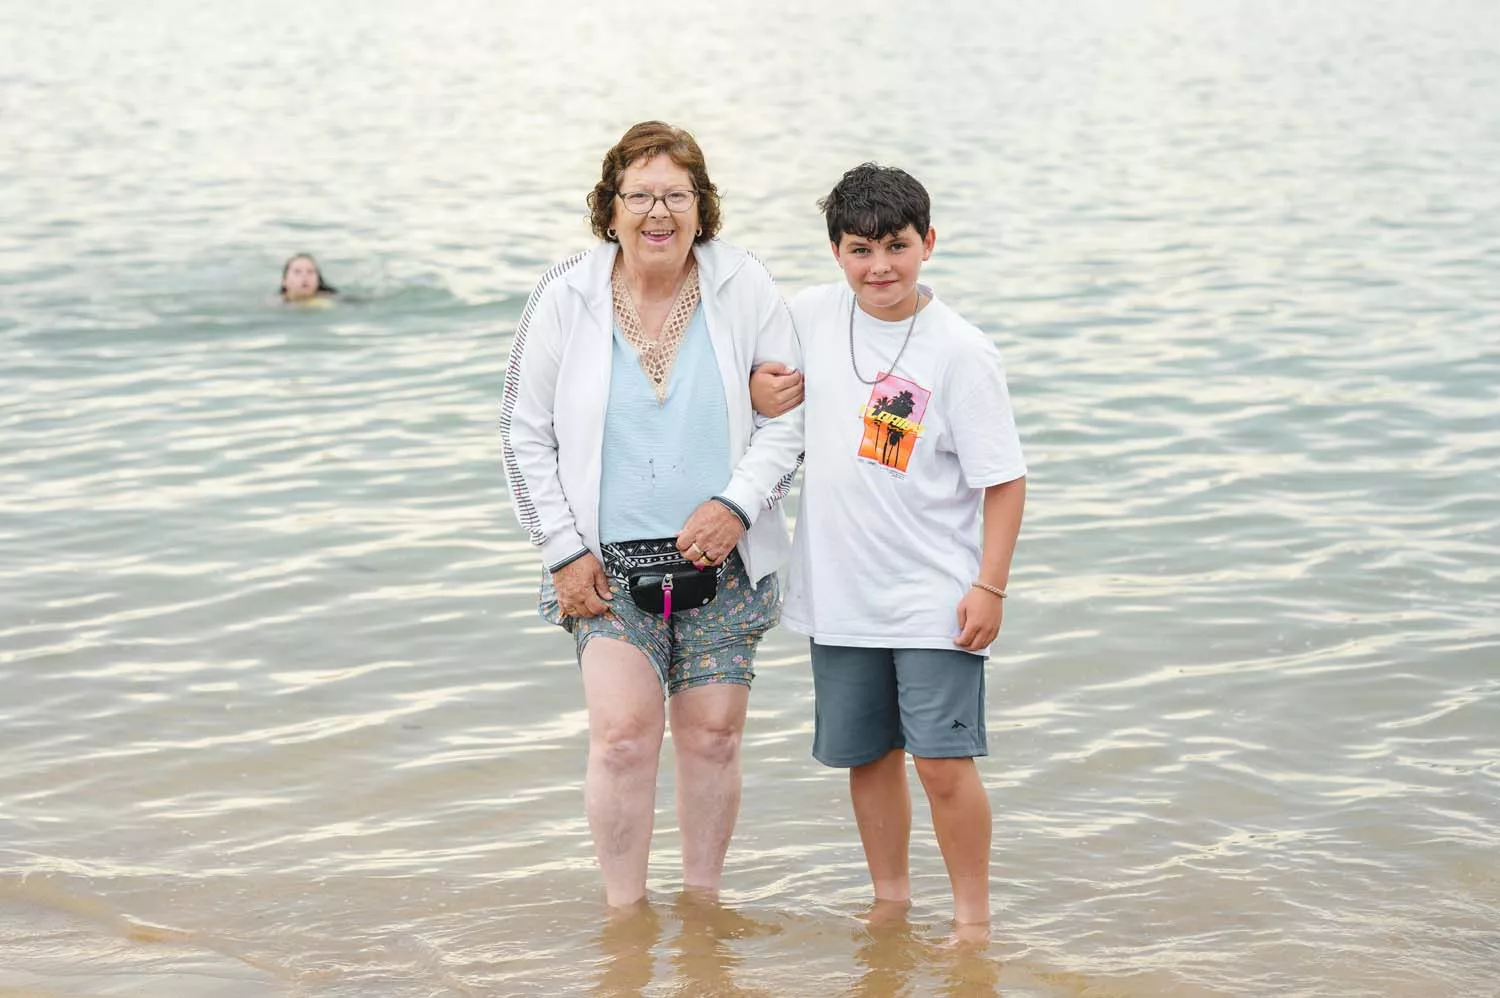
301 279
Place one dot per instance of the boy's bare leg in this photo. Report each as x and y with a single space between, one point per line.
961 818
707 725
626 720
882 808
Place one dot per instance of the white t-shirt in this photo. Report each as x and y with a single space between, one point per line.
888 534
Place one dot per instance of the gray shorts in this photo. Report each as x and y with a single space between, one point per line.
870 701
712 644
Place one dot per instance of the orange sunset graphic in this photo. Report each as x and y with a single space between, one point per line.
893 422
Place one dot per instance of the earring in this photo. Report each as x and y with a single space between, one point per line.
700 231
610 233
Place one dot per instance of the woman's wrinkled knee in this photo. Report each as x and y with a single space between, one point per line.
711 740
624 744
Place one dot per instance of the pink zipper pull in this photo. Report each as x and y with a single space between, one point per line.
666 597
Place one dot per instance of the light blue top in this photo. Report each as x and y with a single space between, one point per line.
662 461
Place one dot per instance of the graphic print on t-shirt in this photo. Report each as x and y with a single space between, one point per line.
893 422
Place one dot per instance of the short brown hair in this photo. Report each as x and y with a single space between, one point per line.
647 140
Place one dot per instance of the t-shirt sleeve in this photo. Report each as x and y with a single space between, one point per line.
982 424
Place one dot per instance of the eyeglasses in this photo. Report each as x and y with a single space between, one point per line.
640 202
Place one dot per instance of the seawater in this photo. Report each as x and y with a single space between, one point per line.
277 717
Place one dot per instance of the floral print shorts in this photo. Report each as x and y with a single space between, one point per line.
712 644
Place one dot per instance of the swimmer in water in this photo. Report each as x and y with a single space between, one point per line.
302 282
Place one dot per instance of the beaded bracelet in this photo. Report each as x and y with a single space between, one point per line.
988 588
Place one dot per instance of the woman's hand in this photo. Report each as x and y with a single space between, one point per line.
582 588
980 613
775 389
709 534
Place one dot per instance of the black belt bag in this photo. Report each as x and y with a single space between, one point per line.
660 579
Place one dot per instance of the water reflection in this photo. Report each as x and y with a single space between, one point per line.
626 942
900 962
970 971
889 951
704 961
700 955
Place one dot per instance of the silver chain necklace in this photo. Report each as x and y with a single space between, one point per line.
853 304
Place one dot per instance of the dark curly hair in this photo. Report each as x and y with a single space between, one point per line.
647 140
872 201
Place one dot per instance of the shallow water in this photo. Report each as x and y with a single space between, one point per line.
278 716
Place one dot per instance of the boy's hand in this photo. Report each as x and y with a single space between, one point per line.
979 617
775 389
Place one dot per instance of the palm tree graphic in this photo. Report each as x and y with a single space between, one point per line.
902 405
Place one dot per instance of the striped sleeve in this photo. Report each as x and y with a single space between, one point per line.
783 486
520 495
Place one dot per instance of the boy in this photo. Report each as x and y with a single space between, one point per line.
909 438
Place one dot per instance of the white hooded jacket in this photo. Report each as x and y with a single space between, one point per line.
557 391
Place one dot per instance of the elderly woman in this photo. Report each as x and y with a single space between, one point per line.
638 468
